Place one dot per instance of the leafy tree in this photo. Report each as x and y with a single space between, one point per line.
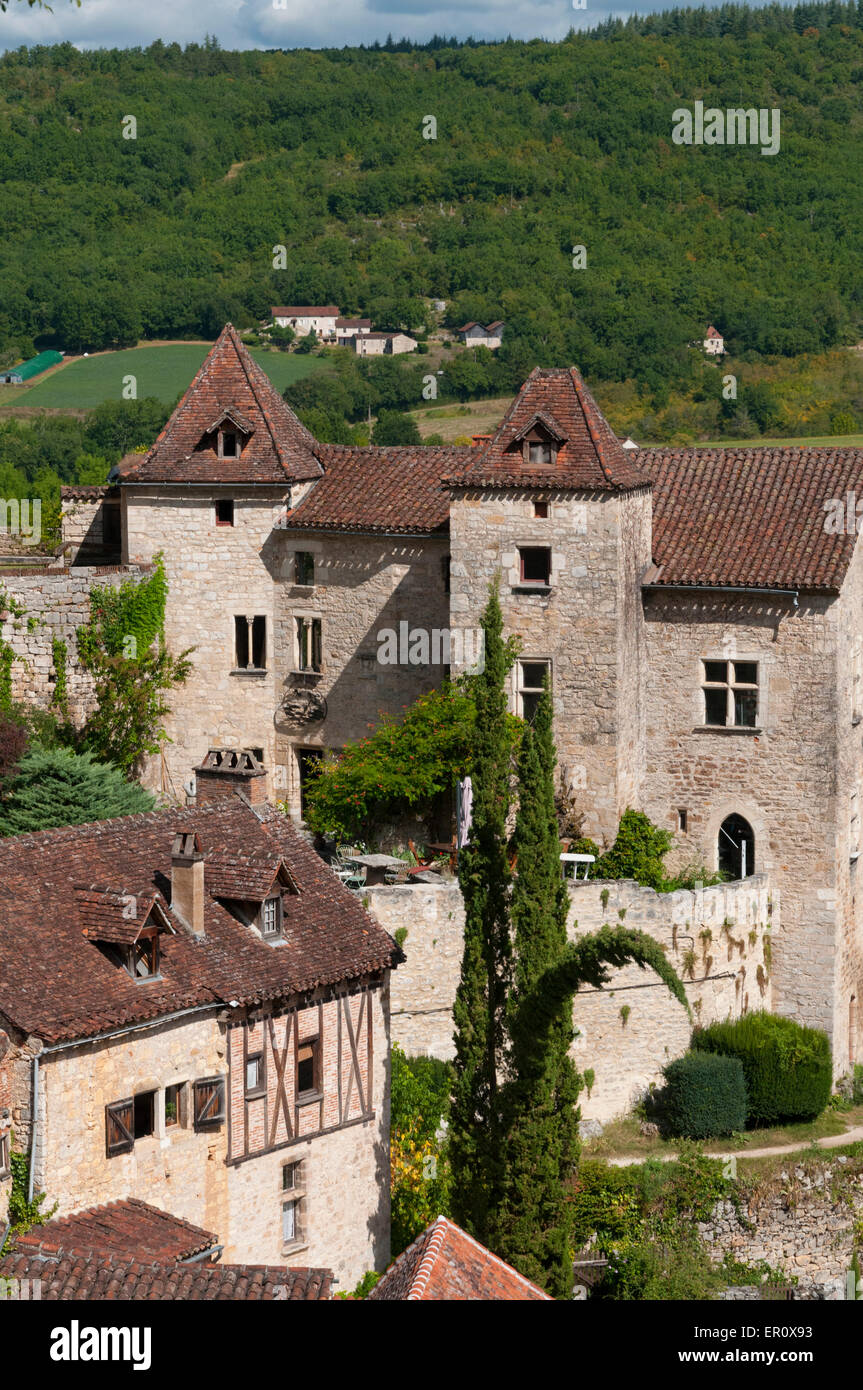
58 787
476 1126
637 852
394 427
309 342
419 1166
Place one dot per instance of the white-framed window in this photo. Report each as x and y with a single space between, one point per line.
254 1074
730 692
271 917
530 675
293 1201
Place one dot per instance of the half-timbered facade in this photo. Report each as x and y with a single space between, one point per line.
198 1015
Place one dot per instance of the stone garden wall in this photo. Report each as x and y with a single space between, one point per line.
715 938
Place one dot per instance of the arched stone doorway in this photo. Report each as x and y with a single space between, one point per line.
736 848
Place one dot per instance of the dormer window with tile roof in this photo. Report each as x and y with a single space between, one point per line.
126 928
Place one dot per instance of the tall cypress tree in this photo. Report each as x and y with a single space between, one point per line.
533 1224
480 1003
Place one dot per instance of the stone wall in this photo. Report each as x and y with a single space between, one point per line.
56 603
5 1121
588 625
805 1228
725 976
363 586
781 776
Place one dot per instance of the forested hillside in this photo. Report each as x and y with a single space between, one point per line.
540 147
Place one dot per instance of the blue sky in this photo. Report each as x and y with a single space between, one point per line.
300 23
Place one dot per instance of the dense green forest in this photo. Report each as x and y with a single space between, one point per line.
539 147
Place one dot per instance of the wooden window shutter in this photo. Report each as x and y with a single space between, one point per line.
209 1108
119 1127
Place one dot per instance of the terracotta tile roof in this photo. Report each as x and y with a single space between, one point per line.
242 878
279 450
591 456
445 1263
712 332
353 323
306 310
59 985
379 489
128 1227
751 517
106 915
96 1275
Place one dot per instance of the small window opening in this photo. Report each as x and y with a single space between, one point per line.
143 1114
540 509
254 1073
682 821
175 1105
535 565
307 1068
309 644
225 511
304 568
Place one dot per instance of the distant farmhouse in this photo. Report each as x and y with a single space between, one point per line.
308 318
328 324
348 329
474 335
373 344
26 371
714 343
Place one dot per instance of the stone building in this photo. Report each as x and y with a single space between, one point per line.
698 616
198 1012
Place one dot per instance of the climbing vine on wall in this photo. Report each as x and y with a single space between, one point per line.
123 648
59 654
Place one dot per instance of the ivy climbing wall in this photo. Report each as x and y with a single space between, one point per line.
38 651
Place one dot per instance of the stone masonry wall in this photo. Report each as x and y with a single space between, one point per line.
781 776
806 1228
363 585
724 977
57 603
588 625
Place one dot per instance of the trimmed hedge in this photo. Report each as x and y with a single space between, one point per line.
787 1068
704 1096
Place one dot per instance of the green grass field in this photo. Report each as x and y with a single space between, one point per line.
806 441
163 372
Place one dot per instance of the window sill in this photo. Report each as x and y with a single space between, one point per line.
728 729
298 672
531 588
310 1098
250 671
295 1247
256 1095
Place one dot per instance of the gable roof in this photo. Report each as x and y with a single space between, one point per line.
95 1274
278 450
130 1227
712 332
106 914
589 457
326 311
750 517
446 1263
375 489
57 984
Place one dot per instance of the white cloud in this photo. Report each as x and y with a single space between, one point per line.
302 23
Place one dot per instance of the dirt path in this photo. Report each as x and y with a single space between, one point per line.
832 1141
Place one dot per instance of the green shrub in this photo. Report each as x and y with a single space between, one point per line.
787 1068
704 1096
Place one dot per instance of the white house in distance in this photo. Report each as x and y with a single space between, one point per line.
714 343
304 318
374 344
474 335
348 329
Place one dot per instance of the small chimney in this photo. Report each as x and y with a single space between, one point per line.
187 880
226 770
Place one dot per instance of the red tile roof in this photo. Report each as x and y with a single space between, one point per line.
279 450
97 1275
58 984
752 517
305 311
107 915
591 456
129 1227
394 490
712 332
445 1263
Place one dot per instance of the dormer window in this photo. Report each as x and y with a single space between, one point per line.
271 919
539 453
229 444
145 956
